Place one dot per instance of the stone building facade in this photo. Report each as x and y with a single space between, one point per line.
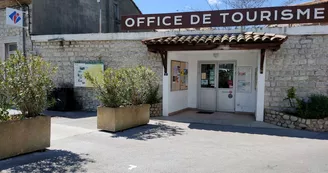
302 62
12 35
114 54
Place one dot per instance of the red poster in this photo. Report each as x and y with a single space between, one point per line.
230 83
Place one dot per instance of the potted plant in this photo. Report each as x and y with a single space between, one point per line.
123 95
26 82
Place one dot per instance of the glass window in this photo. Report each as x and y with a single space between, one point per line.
208 75
226 72
10 49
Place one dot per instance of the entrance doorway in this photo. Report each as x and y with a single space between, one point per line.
217 86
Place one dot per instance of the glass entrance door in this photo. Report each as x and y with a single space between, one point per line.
226 87
208 86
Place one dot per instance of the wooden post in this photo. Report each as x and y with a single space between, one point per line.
164 61
262 60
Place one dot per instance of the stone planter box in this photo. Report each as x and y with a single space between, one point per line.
119 119
289 121
156 110
24 136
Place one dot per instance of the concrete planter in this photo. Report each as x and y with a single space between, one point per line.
24 136
119 119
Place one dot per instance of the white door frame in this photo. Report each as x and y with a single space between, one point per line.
199 87
217 63
234 62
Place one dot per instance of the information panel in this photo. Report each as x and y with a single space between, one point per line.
244 79
95 69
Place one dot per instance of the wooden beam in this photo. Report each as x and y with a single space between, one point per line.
262 61
185 47
180 47
271 46
164 61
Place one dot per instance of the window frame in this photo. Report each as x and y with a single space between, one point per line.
9 52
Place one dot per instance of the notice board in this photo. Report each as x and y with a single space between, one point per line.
179 75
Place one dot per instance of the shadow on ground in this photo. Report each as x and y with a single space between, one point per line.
71 115
262 131
150 131
47 162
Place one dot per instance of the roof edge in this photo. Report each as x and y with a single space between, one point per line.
136 6
300 30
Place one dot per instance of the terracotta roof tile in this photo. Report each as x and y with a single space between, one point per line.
9 3
247 37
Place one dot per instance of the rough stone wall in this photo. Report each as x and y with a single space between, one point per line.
288 121
156 110
302 62
10 34
114 54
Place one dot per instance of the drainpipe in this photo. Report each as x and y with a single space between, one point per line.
100 15
24 30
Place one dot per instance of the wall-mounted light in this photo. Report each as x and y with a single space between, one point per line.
216 55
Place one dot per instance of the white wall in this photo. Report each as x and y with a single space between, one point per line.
261 91
178 100
175 100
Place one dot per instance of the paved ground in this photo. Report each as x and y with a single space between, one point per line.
218 118
171 147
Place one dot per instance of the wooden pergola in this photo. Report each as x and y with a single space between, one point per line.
240 41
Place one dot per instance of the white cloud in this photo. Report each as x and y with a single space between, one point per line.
213 2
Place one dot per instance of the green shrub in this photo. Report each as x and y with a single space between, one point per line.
28 81
110 90
291 96
123 87
315 107
153 95
5 102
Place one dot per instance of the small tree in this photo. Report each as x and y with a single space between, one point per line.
123 87
28 80
5 102
291 96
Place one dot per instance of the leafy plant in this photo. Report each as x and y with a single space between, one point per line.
315 107
153 95
109 90
123 87
141 82
291 96
28 80
5 102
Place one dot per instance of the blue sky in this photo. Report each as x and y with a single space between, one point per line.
171 6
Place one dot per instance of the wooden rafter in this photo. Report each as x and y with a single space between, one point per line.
164 60
262 61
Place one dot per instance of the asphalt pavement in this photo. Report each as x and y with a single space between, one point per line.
175 147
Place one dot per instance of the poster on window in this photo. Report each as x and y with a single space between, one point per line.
95 70
244 79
